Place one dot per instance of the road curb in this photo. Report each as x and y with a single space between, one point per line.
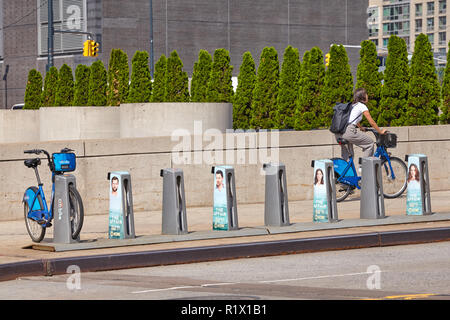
48 267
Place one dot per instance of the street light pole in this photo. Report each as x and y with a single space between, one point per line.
151 38
51 32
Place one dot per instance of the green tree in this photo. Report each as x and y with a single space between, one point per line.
97 84
81 95
159 81
118 77
50 85
177 89
368 77
338 83
200 77
141 80
308 105
64 91
288 90
424 90
220 86
394 92
445 92
242 100
266 90
33 90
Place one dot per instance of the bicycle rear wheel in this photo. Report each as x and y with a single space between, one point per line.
35 230
342 189
393 188
76 211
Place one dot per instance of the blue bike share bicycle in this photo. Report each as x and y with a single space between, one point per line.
393 169
37 215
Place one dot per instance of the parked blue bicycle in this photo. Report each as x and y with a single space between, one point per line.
393 169
37 215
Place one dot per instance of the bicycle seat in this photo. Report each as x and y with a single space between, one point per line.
341 141
32 163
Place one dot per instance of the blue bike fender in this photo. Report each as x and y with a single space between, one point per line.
29 197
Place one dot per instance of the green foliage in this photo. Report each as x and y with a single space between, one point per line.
200 77
266 90
118 76
159 81
445 92
97 84
176 80
338 83
424 91
288 90
141 81
33 91
81 96
50 86
220 87
242 100
65 91
394 92
308 104
368 77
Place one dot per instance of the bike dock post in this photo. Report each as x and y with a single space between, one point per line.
121 216
225 215
62 232
372 198
276 208
418 200
174 204
324 203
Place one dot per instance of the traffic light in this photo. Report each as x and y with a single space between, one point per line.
94 48
327 59
87 48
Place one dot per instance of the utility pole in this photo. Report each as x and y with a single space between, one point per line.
51 32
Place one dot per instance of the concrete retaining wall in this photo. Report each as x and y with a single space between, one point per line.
145 157
127 121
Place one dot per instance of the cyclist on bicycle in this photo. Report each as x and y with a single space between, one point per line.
351 134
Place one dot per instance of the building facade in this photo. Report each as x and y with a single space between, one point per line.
183 25
409 18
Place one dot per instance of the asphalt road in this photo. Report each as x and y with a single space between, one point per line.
418 271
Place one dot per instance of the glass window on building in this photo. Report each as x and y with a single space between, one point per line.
430 8
442 23
442 6
418 25
430 24
385 42
442 38
68 15
418 9
431 38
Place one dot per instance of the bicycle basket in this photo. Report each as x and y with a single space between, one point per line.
64 162
389 140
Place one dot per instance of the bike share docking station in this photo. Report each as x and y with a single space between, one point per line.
63 223
418 200
174 203
324 203
121 216
225 215
372 198
276 208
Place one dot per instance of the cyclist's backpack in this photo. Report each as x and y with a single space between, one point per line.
341 113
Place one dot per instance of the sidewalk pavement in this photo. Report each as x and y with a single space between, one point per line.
15 243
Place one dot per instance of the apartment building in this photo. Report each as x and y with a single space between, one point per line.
407 19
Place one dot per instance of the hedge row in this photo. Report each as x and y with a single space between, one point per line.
300 95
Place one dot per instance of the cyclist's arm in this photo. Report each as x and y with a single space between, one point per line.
361 127
373 123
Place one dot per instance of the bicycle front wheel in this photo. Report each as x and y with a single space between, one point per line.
393 187
76 211
35 229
